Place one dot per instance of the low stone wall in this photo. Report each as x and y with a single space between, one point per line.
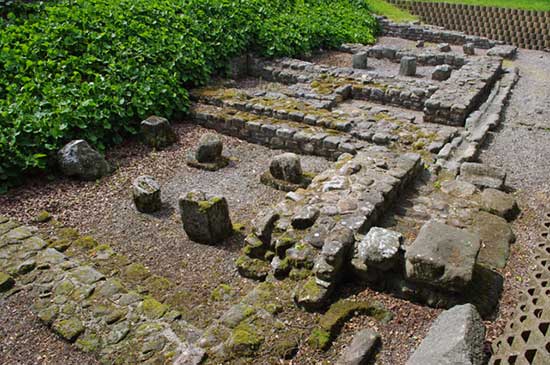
523 28
432 34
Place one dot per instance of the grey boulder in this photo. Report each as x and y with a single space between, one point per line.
442 72
380 248
157 132
483 176
361 349
456 338
146 194
442 256
499 203
77 158
210 148
407 66
286 167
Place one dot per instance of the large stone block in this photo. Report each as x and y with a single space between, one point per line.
157 132
77 158
483 176
286 167
208 155
205 218
360 60
442 72
380 248
456 337
499 203
442 256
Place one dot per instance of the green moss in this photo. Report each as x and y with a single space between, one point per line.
311 288
66 233
89 342
136 272
60 245
158 285
245 340
153 309
239 227
252 268
319 339
43 217
221 291
299 274
86 242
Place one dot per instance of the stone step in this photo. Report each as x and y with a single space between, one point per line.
96 308
276 133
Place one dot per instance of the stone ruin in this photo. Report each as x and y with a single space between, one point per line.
405 207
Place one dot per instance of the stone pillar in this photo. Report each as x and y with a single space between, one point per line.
205 218
146 193
208 155
408 66
360 60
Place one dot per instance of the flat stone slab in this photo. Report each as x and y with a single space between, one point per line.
496 236
504 51
499 203
456 337
442 256
483 176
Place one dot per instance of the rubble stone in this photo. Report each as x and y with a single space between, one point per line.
408 66
77 158
146 194
157 132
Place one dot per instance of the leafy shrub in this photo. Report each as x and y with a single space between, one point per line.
92 69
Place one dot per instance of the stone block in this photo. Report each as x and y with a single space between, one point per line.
456 337
205 218
208 155
157 132
407 66
469 49
146 194
444 47
286 167
442 256
496 236
361 349
380 248
442 73
500 203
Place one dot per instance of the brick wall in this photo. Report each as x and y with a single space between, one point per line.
523 28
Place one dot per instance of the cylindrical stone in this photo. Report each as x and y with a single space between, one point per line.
408 66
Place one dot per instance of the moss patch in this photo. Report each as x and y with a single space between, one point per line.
245 340
153 309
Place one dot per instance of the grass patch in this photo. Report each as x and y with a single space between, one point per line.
392 12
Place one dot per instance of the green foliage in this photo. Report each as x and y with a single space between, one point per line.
92 69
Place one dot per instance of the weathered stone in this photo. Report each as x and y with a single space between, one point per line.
6 282
496 236
442 72
442 256
252 268
444 47
263 225
146 193
69 329
305 217
210 148
458 188
408 66
456 337
77 158
360 60
205 218
118 332
499 203
469 49
301 256
286 167
311 295
483 176
337 246
380 248
504 51
86 275
361 349
157 132
318 233
420 44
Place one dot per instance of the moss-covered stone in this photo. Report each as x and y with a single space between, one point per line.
69 329
252 268
299 274
222 292
67 233
319 339
43 217
86 242
6 282
48 314
135 272
60 245
89 342
158 286
153 309
245 340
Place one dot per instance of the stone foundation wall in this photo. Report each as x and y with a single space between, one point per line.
523 28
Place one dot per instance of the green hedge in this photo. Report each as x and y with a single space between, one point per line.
93 69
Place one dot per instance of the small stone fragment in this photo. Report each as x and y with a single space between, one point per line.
456 337
442 73
205 218
146 194
469 49
499 203
77 158
444 47
360 60
407 66
361 349
157 132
